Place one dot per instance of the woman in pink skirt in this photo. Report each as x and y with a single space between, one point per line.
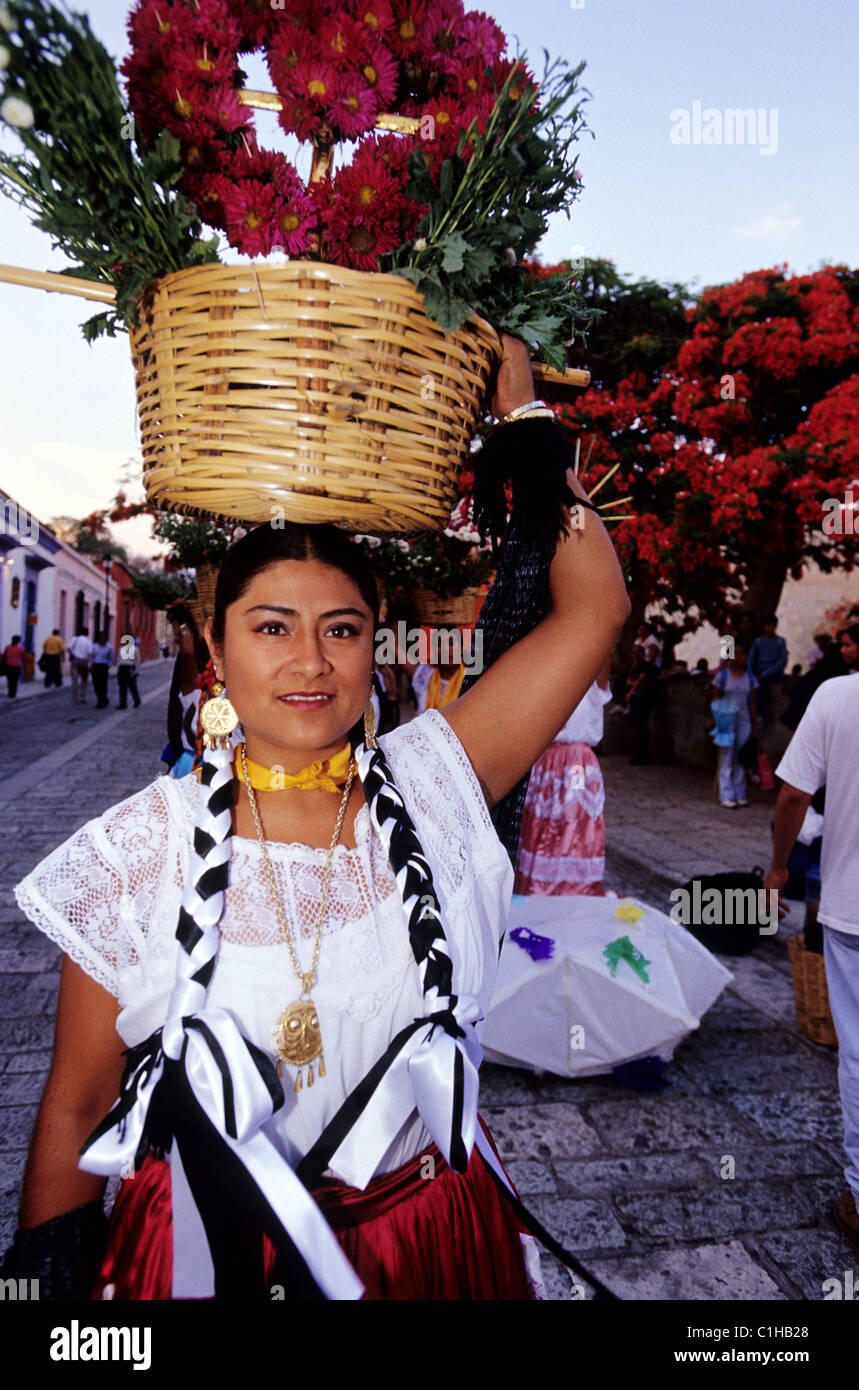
562 842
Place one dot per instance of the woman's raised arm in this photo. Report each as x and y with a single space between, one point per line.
513 712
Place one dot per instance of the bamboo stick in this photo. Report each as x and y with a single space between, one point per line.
53 282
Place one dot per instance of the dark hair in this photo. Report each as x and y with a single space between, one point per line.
769 618
852 631
16 638
268 544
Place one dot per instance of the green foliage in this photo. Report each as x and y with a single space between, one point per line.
111 208
193 541
435 561
489 214
157 589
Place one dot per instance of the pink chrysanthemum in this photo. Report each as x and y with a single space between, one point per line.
482 38
354 107
357 240
441 34
376 16
406 36
288 47
524 85
204 65
469 79
249 210
368 182
380 71
256 19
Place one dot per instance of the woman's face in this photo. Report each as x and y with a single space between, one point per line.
297 660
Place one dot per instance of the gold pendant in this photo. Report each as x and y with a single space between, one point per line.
297 1038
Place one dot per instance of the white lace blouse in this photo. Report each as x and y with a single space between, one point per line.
110 895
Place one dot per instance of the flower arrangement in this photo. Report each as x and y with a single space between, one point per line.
193 541
453 193
447 563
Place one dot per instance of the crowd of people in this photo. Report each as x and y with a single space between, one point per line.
89 661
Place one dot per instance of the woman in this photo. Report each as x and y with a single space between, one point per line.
313 894
13 657
562 846
736 684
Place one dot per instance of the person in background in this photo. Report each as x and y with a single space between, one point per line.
736 683
767 662
701 668
127 666
639 703
101 660
747 629
80 649
830 663
52 659
820 753
436 686
562 840
13 656
822 640
648 645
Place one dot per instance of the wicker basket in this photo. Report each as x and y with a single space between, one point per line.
434 611
811 997
207 578
322 391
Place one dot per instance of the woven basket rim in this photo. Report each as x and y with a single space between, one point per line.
321 270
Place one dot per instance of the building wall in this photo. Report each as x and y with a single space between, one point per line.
801 613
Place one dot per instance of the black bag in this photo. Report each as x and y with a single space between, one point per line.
724 938
747 756
43 662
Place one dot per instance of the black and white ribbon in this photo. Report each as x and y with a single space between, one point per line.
198 1089
433 1062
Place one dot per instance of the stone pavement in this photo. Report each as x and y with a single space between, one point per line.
633 1183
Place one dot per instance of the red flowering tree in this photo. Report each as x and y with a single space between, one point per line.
734 421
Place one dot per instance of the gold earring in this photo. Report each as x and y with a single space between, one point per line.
218 719
370 726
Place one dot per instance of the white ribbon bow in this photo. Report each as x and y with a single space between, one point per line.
253 1106
422 1074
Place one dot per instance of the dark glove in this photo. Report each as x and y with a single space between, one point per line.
64 1254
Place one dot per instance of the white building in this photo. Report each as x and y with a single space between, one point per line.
44 583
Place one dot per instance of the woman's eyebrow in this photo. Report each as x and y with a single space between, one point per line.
293 612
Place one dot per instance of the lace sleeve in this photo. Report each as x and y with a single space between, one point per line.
95 893
435 776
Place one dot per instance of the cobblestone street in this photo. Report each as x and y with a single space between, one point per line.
631 1182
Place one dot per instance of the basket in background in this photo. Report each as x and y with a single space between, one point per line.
432 610
810 994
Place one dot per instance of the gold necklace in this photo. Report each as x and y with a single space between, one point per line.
297 1037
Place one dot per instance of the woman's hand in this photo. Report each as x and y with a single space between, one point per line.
514 382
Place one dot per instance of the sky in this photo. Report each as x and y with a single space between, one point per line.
661 198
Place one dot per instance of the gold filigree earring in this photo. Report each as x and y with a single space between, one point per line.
370 725
218 718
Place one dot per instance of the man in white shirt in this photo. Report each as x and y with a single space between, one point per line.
80 650
823 750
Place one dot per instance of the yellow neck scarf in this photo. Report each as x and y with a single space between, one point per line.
435 698
327 776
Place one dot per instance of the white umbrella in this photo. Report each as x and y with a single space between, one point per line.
585 983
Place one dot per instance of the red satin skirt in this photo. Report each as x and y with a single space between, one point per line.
421 1232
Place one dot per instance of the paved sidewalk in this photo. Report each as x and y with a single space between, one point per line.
634 1183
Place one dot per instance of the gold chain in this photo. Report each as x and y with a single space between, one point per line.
308 978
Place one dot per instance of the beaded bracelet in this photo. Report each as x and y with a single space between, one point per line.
537 408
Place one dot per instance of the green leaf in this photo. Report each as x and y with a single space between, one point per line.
453 250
